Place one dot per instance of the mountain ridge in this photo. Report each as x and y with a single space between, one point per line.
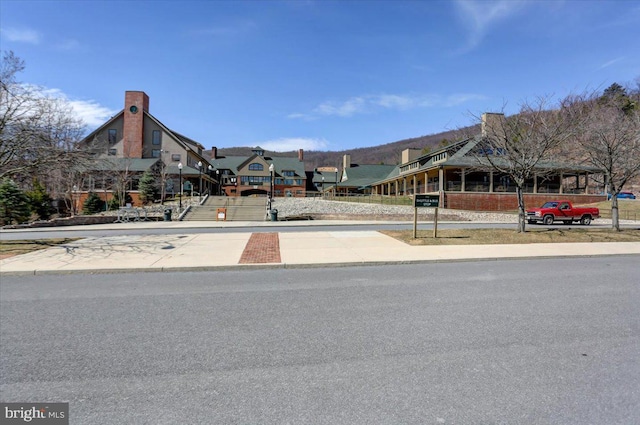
388 153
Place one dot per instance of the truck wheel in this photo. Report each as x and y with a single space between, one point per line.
585 220
548 220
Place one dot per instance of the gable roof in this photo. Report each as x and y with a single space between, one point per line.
252 159
364 175
187 143
460 154
235 163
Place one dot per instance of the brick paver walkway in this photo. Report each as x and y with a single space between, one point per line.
261 248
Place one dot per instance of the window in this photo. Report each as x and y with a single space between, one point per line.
113 152
288 173
113 135
256 167
155 153
254 180
175 157
155 139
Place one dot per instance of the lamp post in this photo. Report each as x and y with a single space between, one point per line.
180 173
200 184
163 176
271 170
74 201
210 168
218 180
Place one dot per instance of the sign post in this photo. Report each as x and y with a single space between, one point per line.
425 201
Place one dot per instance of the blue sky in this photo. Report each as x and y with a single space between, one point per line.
319 75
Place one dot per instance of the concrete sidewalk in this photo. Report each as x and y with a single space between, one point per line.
211 251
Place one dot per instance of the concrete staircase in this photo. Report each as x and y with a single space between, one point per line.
237 209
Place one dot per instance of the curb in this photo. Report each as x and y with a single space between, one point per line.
275 266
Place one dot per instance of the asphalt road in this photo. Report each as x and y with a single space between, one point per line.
500 342
87 231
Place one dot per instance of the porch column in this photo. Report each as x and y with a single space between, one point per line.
535 183
426 182
415 183
463 179
586 183
440 180
561 179
491 181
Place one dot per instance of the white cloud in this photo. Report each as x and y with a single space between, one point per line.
69 44
480 16
21 35
461 98
294 143
374 103
348 108
91 112
611 62
393 101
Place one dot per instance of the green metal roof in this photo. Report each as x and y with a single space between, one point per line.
365 175
122 164
280 164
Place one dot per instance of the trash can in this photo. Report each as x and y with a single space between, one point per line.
274 215
167 214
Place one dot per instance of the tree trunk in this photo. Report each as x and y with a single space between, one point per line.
521 210
615 216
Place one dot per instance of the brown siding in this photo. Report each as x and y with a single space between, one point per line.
508 201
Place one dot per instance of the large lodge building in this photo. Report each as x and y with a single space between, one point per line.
134 141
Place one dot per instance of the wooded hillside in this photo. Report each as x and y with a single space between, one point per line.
384 154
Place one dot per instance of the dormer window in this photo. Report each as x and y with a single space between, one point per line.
256 166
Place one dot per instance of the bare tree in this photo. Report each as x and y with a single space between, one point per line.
519 146
38 133
607 129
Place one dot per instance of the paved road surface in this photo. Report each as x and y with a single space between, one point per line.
517 342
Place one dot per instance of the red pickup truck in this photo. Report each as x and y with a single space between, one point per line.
562 211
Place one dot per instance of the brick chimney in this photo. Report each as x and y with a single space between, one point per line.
136 103
214 152
300 155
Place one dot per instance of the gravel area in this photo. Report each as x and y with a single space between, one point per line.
324 209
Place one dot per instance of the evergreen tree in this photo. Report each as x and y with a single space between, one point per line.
93 204
616 94
40 201
148 187
14 204
115 202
